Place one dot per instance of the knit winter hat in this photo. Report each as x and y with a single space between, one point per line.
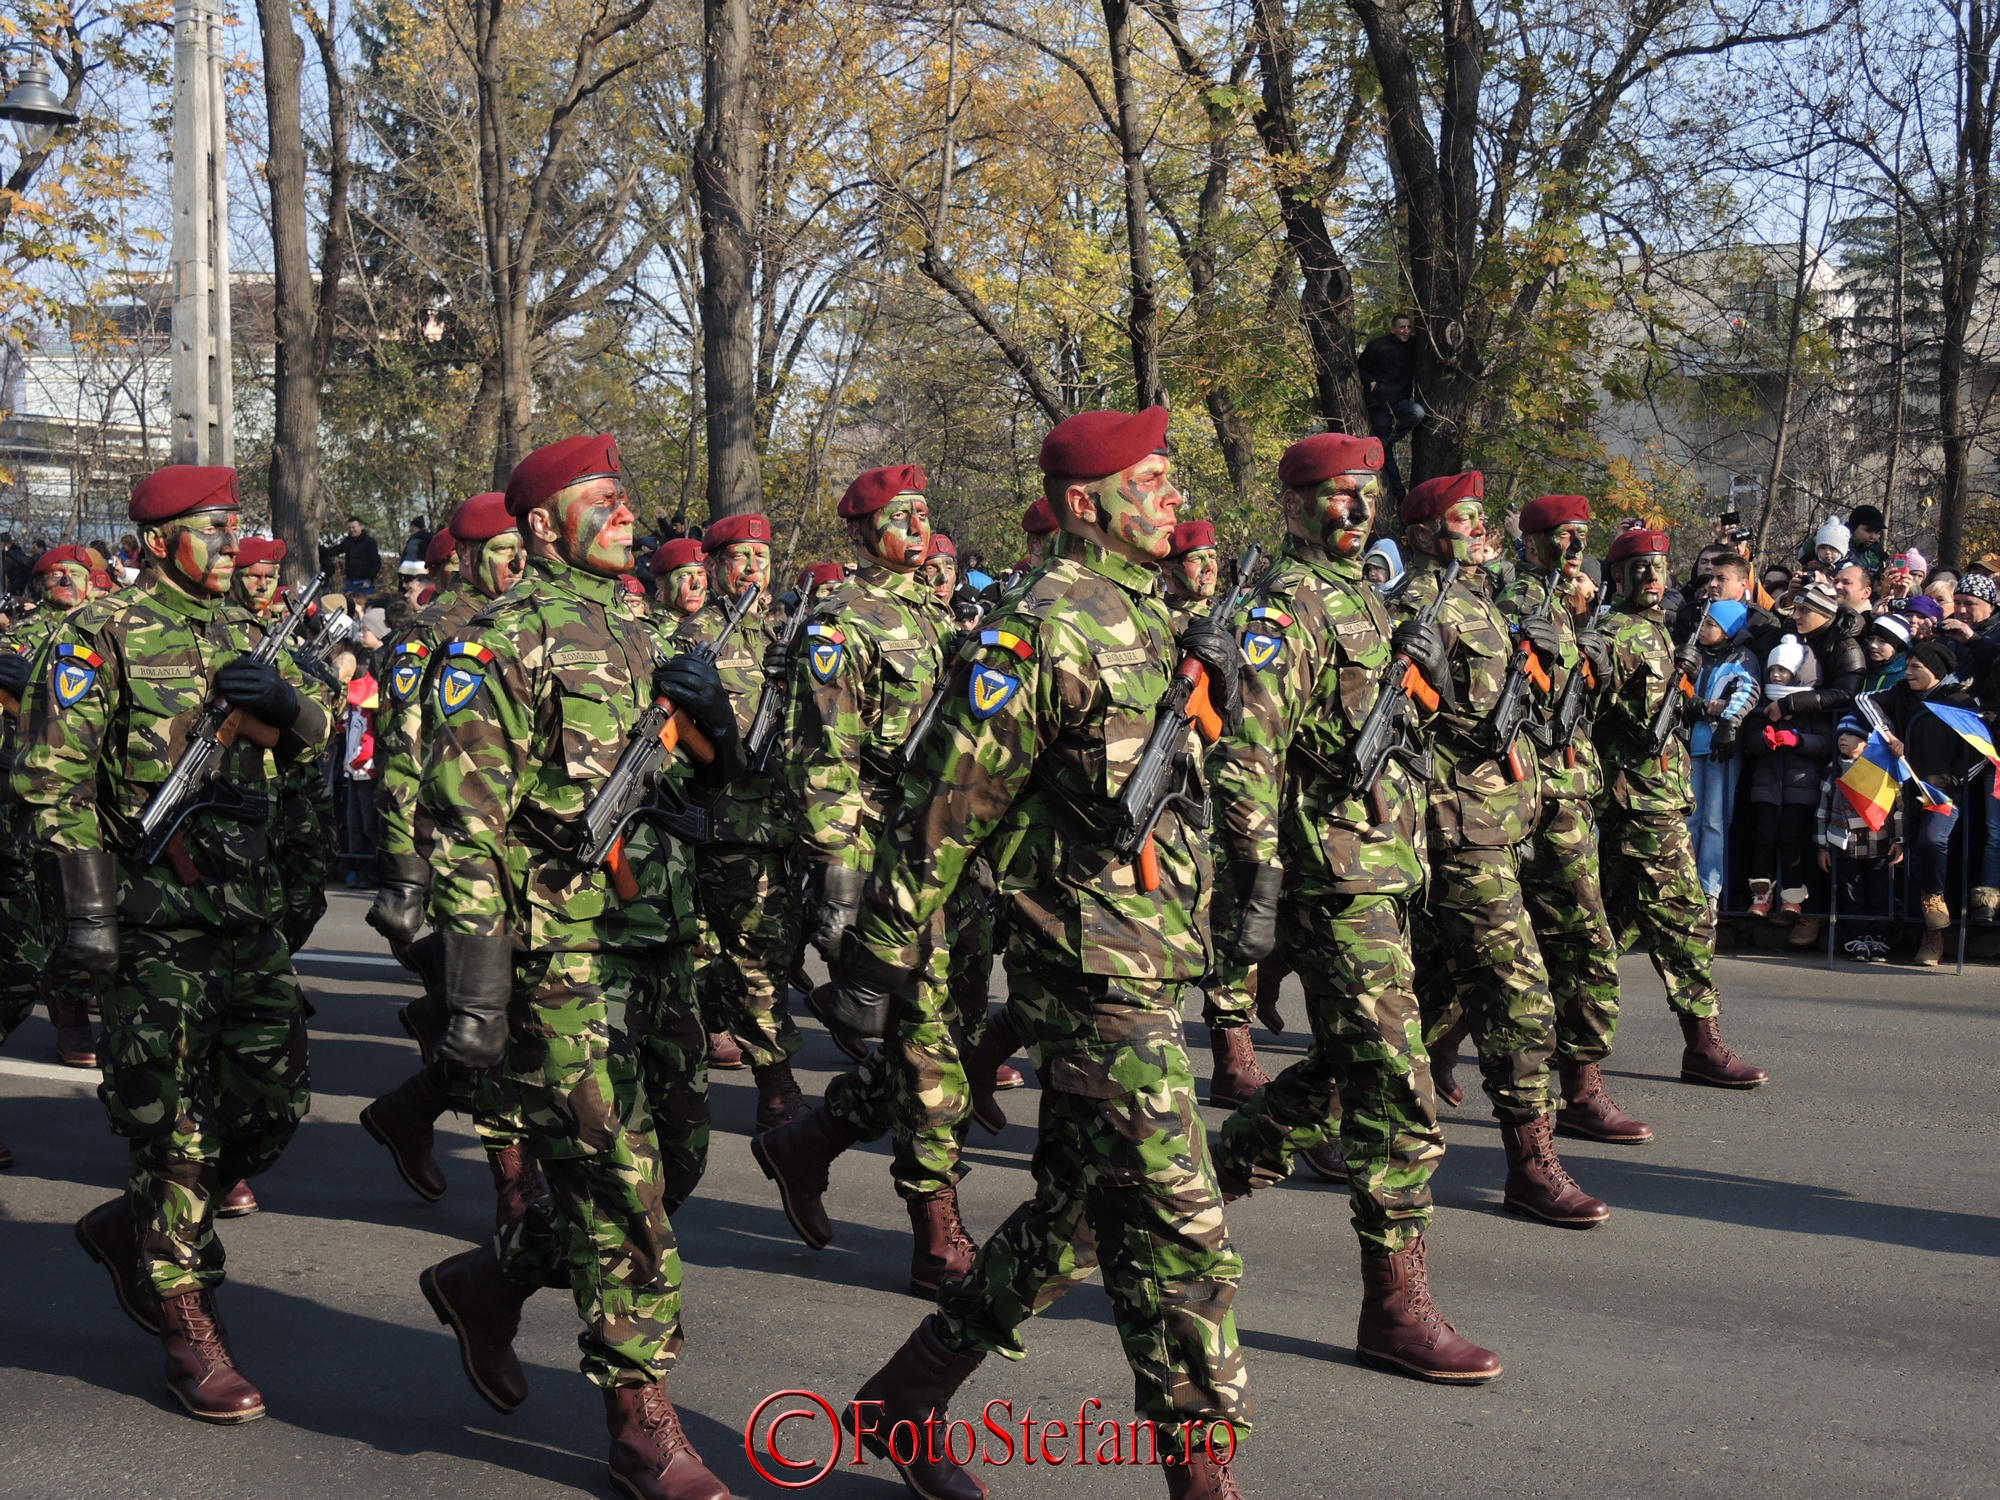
1890 628
1979 586
1789 653
1936 655
1834 535
1849 724
1731 615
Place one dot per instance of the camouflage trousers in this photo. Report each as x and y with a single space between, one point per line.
1476 947
1366 1069
750 930
665 1024
23 952
205 1072
304 846
912 1086
602 1230
1122 1175
1655 897
1566 900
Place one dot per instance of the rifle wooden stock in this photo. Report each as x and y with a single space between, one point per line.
1418 686
680 730
623 882
1207 721
1148 866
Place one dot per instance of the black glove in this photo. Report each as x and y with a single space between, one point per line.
1246 911
402 890
478 984
1424 645
865 992
1214 646
88 881
1544 636
1688 659
693 686
777 661
838 898
259 688
16 672
1722 744
1596 650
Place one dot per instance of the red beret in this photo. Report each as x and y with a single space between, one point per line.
744 528
1551 511
253 550
823 574
875 489
940 545
1312 461
1092 444
71 554
1434 497
1191 536
547 472
631 585
427 594
443 545
1039 519
483 517
682 552
1638 542
180 488
102 581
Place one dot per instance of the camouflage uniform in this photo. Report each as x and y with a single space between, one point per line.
867 665
748 907
204 1051
24 953
531 704
1316 641
1650 879
1048 709
1560 872
1476 944
304 841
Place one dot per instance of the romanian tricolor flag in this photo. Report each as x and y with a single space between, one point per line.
1972 729
1870 783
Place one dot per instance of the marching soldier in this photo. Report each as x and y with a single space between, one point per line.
531 703
1192 568
495 556
868 665
1338 867
748 907
680 579
1477 946
205 1024
1650 878
1045 715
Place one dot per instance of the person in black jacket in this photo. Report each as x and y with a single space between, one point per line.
362 559
1939 757
1388 368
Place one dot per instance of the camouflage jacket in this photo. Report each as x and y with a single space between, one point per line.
25 639
1473 799
526 711
1047 710
407 658
865 668
121 682
1315 640
752 809
1570 773
1642 674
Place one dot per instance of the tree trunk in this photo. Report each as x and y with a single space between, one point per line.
295 498
725 163
1143 318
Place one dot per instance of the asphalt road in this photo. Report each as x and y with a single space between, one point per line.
1796 1294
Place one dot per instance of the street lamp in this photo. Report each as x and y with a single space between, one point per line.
36 111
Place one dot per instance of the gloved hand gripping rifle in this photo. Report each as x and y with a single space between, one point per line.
1387 728
764 726
1510 714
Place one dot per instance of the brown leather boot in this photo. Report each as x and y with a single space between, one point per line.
1444 1064
1402 1329
1192 1474
1707 1060
517 1182
403 1120
796 1157
943 1250
779 1101
724 1056
1537 1184
651 1457
110 1238
982 1072
1270 983
1007 1076
916 1386
477 1301
76 1045
1238 1075
238 1203
1589 1111
200 1371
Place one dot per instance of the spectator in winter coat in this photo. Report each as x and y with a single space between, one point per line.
1853 588
1830 545
1388 367
1787 756
357 772
361 558
1725 692
1885 643
1831 634
1864 537
1863 891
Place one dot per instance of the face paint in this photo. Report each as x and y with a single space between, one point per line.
1341 512
66 585
1195 574
901 530
201 550
593 525
1461 534
740 564
256 587
498 563
1645 580
940 576
687 588
1561 548
1138 509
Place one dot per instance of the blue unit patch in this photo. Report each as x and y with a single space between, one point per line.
457 687
403 681
72 680
824 658
990 691
1262 651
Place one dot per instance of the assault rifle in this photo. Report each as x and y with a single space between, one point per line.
1567 719
628 790
1386 729
1166 775
764 727
1667 722
314 658
1511 712
191 786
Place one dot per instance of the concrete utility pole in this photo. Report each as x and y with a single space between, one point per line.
199 387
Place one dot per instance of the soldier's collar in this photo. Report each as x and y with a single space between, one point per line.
1140 578
176 600
580 581
889 581
1313 555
